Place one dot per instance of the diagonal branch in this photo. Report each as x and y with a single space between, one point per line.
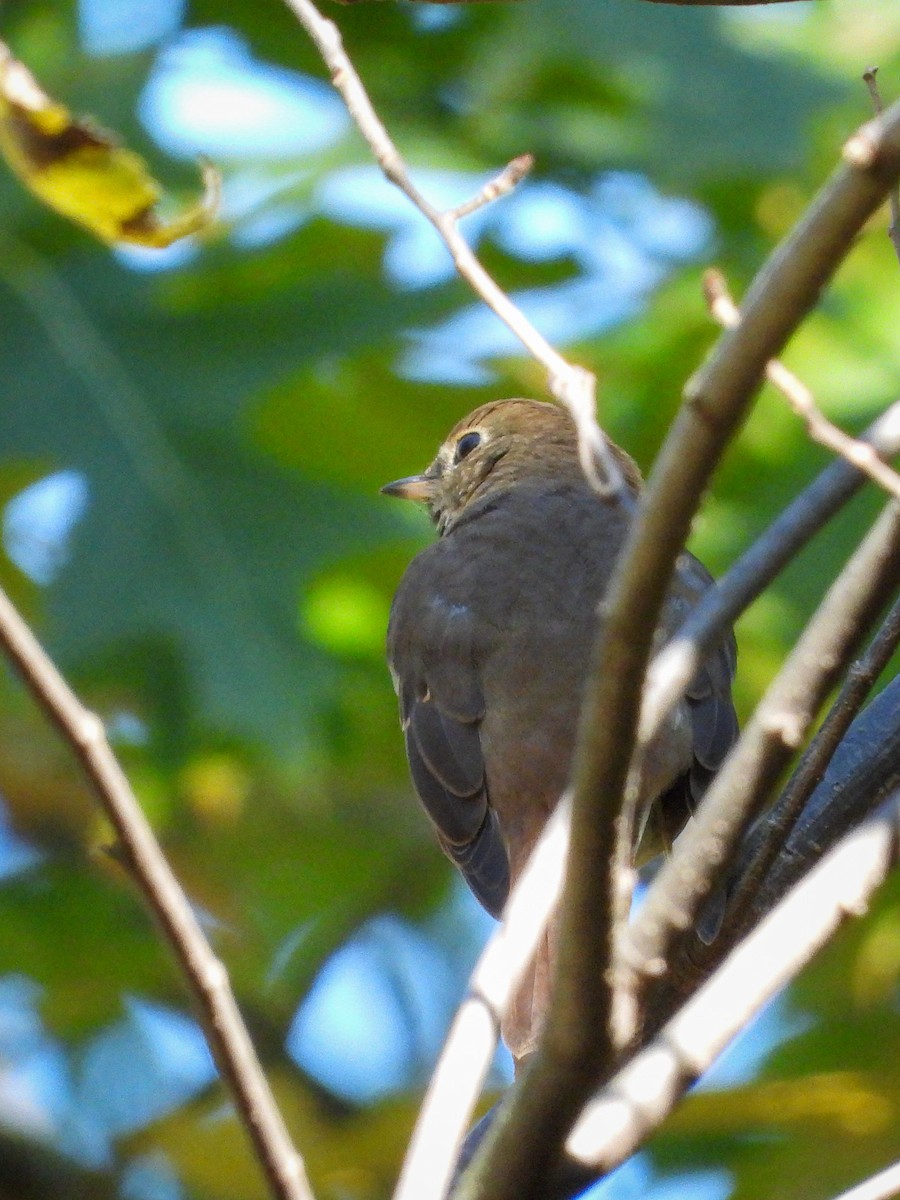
865 767
883 1186
779 823
675 666
513 1163
571 385
801 399
469 1049
777 728
640 1097
205 975
871 785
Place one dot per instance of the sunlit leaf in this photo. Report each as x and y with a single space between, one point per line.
83 173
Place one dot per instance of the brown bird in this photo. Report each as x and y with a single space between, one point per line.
488 645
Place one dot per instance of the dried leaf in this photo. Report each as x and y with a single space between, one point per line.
82 172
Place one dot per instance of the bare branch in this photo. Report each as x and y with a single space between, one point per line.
205 975
511 176
640 1097
513 1162
571 385
777 728
778 824
864 775
883 1186
801 399
865 770
674 667
466 1058
865 767
894 197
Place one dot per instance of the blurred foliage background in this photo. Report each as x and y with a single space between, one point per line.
191 443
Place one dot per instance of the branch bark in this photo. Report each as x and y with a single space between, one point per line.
865 769
573 386
777 729
856 451
780 822
205 975
514 1162
675 666
855 786
639 1098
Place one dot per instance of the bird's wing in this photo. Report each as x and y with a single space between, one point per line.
714 725
432 657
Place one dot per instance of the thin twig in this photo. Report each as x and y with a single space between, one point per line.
894 195
778 824
513 1162
205 975
640 1097
800 398
571 385
511 176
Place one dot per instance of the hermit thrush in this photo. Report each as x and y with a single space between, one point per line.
489 642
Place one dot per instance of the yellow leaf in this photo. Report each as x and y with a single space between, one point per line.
82 172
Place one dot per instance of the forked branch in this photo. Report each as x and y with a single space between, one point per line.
571 385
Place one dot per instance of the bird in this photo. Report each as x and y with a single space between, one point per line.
488 644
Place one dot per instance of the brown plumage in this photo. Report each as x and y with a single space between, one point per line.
488 644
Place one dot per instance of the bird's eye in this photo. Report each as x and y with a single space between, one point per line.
466 445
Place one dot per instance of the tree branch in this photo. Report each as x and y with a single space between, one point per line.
865 769
776 828
894 198
514 1161
858 786
640 1097
204 974
573 386
675 666
469 1049
883 1186
820 429
776 730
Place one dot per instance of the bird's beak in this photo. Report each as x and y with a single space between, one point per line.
413 487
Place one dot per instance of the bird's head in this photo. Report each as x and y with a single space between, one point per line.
497 446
